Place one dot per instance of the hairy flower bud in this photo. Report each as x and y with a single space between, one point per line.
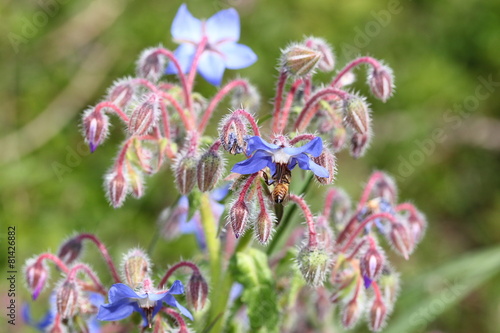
197 291
136 267
401 240
70 250
238 216
417 225
117 187
210 168
121 93
385 187
377 315
327 160
327 62
232 132
264 226
357 114
313 264
300 60
144 117
372 263
351 313
67 299
151 64
95 127
185 172
36 275
381 82
359 144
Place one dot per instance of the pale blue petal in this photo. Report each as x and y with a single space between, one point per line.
184 54
96 299
211 67
119 291
313 147
220 193
237 56
116 311
177 288
223 26
256 143
170 300
185 26
257 162
306 163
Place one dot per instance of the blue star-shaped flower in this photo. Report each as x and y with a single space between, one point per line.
123 300
268 155
221 31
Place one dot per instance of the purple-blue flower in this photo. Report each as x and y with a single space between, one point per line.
221 31
268 155
123 300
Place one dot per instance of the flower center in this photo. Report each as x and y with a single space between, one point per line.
281 157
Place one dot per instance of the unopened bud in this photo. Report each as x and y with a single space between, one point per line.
381 82
327 160
357 114
67 299
377 316
359 144
246 97
185 172
144 117
36 275
95 127
352 313
70 250
264 226
372 263
300 60
385 187
117 187
417 225
232 132
197 291
401 240
136 181
313 264
210 168
238 216
327 62
151 64
135 267
121 93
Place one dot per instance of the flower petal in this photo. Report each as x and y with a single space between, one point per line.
220 193
116 311
185 55
119 291
177 288
257 162
170 300
236 55
313 147
306 163
185 26
211 67
257 143
223 26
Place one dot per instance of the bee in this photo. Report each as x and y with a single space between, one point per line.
281 180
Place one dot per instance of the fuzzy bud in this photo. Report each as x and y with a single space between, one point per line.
359 144
417 224
117 187
300 60
151 64
352 313
197 291
372 263
185 173
327 62
385 187
381 81
95 127
327 160
144 117
232 134
136 267
401 240
313 264
67 299
246 97
70 250
36 274
377 315
238 216
121 93
264 226
210 168
357 114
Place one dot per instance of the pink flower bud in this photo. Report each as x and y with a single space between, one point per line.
95 127
327 62
381 82
327 160
385 187
417 224
357 114
264 226
36 275
197 291
210 168
314 264
151 64
70 250
372 263
144 117
185 172
238 216
121 93
352 313
117 187
232 132
136 267
377 315
300 60
67 299
359 144
401 240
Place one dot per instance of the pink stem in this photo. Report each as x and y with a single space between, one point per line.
172 269
302 137
408 207
376 290
196 59
55 259
363 224
250 118
278 99
283 119
329 200
114 107
246 187
313 241
307 87
217 99
104 253
356 249
82 267
363 60
375 177
188 121
178 318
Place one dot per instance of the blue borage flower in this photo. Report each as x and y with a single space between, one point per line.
268 155
123 300
222 31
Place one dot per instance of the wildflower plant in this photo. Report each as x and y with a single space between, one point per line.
338 254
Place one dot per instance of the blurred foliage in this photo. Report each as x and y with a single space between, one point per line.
54 66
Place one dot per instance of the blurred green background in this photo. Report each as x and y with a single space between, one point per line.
58 57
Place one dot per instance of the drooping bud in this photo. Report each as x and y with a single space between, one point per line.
136 267
151 64
238 216
210 168
117 187
70 250
95 127
136 180
327 62
385 187
36 275
357 114
359 144
401 240
197 291
145 115
300 60
247 98
185 172
232 132
121 93
264 226
377 316
417 224
313 264
372 262
67 299
381 81
327 160
351 313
